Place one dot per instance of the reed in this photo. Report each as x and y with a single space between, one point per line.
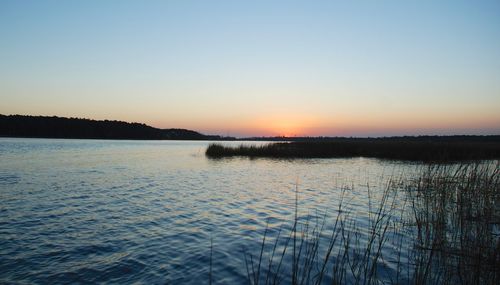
445 230
409 150
317 256
456 215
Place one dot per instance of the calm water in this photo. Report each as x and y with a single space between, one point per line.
80 211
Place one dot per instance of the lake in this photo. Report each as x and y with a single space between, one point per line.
86 211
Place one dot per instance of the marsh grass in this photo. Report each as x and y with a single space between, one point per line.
444 230
317 255
409 149
456 214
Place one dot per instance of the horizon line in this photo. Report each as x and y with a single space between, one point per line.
418 133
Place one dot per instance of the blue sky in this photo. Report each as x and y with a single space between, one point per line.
257 67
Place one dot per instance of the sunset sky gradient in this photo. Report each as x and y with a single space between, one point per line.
257 68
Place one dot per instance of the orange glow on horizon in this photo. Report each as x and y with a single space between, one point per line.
339 125
284 125
285 128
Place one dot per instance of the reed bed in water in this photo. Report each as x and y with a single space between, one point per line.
410 150
456 214
444 230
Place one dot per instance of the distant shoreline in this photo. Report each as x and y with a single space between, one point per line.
108 139
53 127
20 126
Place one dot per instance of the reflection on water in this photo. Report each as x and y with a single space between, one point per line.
145 211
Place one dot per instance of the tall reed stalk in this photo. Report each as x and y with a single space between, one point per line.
443 228
456 214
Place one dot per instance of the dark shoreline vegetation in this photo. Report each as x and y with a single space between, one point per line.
76 128
25 126
427 149
447 231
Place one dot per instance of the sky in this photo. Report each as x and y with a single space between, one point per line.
257 68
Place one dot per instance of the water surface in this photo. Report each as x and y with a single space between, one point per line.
84 211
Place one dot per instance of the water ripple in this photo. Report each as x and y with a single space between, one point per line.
145 212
